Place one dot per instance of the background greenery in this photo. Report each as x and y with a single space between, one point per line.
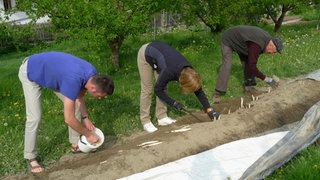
106 24
118 115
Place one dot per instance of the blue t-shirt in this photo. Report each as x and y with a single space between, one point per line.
61 72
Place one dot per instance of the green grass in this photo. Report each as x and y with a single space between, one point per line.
118 115
303 166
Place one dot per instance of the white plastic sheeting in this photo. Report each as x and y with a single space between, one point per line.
301 136
252 158
227 161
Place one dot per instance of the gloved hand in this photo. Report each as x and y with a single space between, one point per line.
271 82
177 105
213 114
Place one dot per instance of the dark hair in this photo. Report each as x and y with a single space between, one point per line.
103 83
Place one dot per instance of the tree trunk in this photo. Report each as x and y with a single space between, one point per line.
277 27
115 45
279 21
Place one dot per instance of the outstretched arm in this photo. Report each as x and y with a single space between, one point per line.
70 119
83 110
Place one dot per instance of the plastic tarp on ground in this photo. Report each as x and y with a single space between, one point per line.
227 161
252 158
301 136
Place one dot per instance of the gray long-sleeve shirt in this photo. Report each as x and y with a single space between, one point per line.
248 41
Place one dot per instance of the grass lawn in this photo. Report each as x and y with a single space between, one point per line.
118 115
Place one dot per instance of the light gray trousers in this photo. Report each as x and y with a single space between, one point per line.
32 95
146 74
224 73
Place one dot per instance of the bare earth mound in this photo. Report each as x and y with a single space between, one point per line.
285 105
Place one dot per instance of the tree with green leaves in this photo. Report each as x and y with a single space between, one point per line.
215 14
99 22
219 14
276 10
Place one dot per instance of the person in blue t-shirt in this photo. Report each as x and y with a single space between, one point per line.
70 78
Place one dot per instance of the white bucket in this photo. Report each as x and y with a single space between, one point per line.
85 146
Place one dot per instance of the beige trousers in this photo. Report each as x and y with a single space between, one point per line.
32 95
146 75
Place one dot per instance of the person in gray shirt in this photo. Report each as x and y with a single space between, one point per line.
248 42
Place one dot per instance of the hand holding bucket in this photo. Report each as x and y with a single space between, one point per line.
85 146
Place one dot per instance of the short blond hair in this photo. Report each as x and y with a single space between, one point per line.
190 80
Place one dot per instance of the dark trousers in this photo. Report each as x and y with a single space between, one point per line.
224 73
249 78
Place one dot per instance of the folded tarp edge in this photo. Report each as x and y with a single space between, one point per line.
300 137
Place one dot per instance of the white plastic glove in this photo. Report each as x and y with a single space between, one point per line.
271 82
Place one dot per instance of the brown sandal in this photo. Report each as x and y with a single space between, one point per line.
32 168
75 150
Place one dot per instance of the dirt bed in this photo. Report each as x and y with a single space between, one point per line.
285 105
